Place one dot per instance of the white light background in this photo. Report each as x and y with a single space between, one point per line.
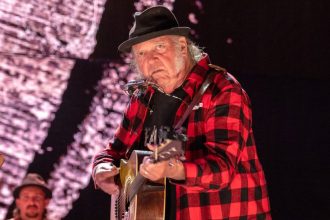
39 42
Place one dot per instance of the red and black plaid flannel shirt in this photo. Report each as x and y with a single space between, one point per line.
224 177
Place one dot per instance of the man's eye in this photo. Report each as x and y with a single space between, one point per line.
140 54
160 46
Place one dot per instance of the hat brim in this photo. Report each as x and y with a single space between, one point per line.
47 191
127 45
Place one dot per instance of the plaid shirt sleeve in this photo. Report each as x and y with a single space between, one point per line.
225 129
224 178
125 136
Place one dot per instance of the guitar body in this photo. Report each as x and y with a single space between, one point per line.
148 201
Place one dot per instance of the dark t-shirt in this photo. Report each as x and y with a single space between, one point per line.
159 120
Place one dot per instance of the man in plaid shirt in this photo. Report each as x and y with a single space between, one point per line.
221 176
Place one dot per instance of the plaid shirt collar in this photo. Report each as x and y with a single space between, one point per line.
196 76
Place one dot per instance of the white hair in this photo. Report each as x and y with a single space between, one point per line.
195 52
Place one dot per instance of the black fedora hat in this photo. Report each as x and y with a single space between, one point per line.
33 179
150 23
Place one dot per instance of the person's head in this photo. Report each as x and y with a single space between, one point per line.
32 198
161 49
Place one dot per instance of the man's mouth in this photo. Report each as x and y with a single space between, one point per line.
32 207
156 71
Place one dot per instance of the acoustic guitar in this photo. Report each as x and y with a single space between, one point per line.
140 199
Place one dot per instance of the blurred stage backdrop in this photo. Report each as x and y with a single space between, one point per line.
60 96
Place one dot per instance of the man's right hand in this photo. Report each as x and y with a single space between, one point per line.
103 175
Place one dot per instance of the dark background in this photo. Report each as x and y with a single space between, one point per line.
278 52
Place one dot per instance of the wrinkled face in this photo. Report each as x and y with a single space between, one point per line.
163 60
32 203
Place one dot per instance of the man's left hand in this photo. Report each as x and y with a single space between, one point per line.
172 168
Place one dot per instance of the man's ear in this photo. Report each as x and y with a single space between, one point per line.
47 202
17 202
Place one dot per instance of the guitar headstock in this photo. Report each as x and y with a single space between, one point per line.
168 149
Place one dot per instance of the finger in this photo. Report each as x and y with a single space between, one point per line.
147 160
151 147
113 189
102 176
153 171
106 170
146 170
108 186
142 169
172 162
152 176
144 173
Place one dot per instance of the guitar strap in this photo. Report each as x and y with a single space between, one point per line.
210 76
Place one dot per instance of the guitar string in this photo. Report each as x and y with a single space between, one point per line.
119 208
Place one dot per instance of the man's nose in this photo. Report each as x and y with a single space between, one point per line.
152 56
31 202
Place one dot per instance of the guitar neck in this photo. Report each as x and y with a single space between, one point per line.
136 185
